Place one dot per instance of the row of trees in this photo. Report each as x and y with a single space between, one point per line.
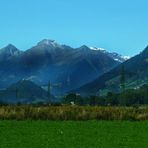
125 98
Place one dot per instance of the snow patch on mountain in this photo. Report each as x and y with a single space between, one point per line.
113 55
126 57
50 43
95 48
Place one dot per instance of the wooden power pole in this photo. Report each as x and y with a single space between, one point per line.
49 92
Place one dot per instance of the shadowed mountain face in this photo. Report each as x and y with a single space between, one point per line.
135 71
24 91
9 52
67 68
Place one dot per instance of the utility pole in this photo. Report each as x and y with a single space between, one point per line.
122 79
68 80
49 93
16 93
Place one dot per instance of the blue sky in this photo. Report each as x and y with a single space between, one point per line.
116 25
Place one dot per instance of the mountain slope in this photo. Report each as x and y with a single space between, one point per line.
67 68
24 92
8 52
136 73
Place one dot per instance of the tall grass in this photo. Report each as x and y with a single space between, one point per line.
72 113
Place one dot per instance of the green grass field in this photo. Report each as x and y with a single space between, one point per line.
73 134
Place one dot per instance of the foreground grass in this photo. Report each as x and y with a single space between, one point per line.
73 134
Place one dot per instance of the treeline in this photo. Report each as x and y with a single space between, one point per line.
126 98
130 97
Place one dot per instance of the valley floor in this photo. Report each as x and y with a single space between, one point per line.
73 134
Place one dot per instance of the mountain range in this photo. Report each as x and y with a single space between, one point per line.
135 75
65 67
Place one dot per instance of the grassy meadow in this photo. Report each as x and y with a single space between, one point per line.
73 134
73 127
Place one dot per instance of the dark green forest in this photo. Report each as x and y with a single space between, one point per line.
128 97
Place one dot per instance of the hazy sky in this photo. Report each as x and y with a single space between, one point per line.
116 25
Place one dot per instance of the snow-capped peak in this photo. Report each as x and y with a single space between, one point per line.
118 57
47 42
95 48
113 55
